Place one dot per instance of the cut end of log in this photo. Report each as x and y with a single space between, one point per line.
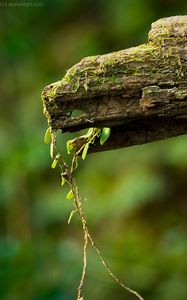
140 92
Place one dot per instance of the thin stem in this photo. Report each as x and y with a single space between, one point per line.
79 295
78 205
87 236
110 272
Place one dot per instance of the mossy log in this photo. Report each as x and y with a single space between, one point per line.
140 92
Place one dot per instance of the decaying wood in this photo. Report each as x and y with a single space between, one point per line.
140 92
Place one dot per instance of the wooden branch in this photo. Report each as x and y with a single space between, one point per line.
140 92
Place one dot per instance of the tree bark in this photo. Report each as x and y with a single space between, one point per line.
140 92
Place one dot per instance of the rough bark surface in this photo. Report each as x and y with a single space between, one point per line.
140 92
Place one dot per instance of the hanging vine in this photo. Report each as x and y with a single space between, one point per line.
79 146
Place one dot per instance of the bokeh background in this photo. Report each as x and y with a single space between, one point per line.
136 198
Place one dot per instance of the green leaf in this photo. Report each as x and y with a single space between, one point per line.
70 195
52 150
62 181
71 215
85 150
89 132
69 146
104 135
47 136
54 163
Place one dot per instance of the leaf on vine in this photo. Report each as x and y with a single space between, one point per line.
47 136
54 163
85 150
89 132
70 195
52 150
62 181
69 146
71 215
104 135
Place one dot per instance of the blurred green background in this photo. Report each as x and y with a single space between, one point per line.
136 197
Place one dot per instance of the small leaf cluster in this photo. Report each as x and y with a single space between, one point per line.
79 146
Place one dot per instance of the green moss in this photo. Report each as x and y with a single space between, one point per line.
97 74
51 91
70 74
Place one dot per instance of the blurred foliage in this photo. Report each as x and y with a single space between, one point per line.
136 197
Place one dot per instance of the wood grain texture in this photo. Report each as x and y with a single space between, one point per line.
140 92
